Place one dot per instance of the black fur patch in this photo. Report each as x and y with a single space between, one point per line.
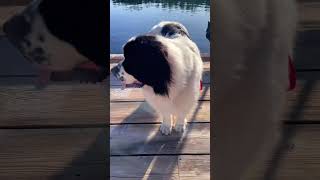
146 60
81 23
38 55
172 29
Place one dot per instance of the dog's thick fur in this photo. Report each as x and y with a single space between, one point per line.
61 35
252 41
169 65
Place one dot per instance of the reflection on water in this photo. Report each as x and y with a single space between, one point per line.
132 17
191 5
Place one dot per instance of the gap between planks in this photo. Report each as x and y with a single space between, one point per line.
302 153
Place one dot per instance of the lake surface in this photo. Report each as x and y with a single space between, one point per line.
132 17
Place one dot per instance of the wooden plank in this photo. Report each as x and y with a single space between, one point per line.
308 13
145 139
65 104
62 154
135 94
153 177
305 100
161 167
303 103
142 112
301 160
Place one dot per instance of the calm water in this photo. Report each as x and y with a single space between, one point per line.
132 17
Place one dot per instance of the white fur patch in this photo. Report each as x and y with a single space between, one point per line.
60 54
186 66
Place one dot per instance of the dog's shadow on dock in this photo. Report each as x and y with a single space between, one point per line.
146 152
290 127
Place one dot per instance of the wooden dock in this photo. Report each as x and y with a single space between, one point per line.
60 133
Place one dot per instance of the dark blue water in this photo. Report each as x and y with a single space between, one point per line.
133 17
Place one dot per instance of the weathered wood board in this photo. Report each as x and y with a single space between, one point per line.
142 112
57 105
64 154
299 161
145 139
136 94
161 167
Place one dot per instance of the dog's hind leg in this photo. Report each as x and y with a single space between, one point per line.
180 124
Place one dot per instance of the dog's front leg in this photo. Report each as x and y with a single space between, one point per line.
166 125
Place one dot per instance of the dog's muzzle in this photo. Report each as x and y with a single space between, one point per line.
116 71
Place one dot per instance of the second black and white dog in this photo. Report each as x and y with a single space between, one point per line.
167 64
62 35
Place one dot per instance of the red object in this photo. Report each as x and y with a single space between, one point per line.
200 85
292 75
88 66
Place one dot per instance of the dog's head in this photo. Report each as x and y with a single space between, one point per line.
170 29
48 30
146 63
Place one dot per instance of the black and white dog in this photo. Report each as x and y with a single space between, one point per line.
62 35
167 64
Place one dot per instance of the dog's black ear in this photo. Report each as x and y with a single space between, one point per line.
146 59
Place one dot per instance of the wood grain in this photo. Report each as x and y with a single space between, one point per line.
305 100
142 112
299 161
77 104
303 103
308 14
145 139
62 154
161 167
136 94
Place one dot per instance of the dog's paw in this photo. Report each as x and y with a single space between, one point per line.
180 127
165 129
